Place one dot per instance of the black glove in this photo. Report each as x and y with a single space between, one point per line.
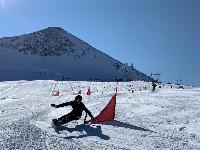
53 105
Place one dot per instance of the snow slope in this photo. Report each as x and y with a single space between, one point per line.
165 119
54 54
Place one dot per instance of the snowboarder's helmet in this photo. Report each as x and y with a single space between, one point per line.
78 97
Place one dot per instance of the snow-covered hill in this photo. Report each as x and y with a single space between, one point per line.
166 119
54 54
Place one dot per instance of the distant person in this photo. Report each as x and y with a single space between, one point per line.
154 86
75 114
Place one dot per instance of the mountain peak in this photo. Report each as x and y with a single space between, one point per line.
54 29
52 41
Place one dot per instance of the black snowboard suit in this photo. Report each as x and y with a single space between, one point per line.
75 114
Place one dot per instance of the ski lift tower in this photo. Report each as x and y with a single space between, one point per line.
156 77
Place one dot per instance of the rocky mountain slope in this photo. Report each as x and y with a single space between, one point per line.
54 54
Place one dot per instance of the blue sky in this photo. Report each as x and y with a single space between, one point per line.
155 35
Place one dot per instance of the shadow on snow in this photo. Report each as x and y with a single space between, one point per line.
96 130
90 131
125 125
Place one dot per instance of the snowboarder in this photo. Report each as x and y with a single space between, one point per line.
75 114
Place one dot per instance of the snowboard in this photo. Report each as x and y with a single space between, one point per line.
55 125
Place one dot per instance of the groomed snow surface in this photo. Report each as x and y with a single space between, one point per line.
168 118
